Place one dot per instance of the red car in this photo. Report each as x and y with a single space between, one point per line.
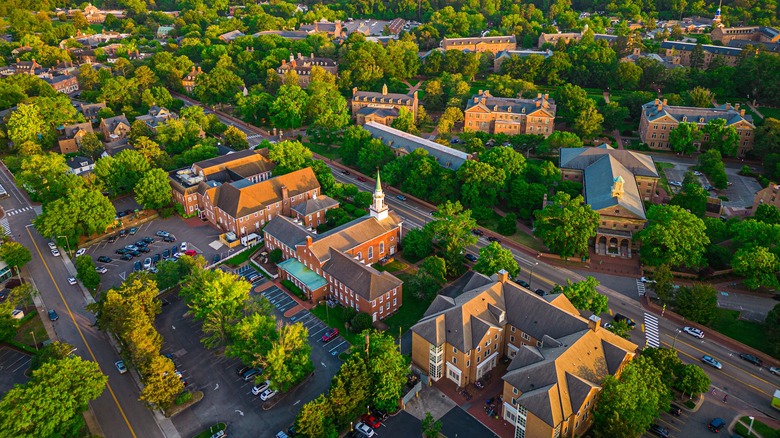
361 179
190 252
371 421
331 335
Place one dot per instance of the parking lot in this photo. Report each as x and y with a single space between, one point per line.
197 235
13 364
226 396
740 193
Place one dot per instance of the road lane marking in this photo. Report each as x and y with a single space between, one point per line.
78 328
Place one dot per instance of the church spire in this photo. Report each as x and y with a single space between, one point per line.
378 208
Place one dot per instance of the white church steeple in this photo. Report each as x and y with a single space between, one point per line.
378 208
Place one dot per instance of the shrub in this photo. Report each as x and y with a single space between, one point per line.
289 285
184 397
508 224
275 256
179 209
360 322
746 171
166 212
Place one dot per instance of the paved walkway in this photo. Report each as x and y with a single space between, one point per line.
755 110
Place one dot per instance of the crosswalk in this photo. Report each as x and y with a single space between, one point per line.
651 331
20 210
640 287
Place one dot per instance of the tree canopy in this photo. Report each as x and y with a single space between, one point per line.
566 225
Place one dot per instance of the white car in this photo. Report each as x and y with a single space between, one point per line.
697 173
147 263
81 252
693 331
183 247
71 281
646 280
775 370
55 252
365 429
101 269
259 389
120 366
52 245
267 394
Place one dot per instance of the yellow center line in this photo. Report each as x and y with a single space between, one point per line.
73 318
759 390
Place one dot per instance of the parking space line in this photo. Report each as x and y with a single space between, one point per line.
337 346
317 332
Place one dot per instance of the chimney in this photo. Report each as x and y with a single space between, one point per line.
308 241
538 103
384 90
664 102
503 276
594 323
284 62
476 99
742 112
354 91
546 96
18 60
312 56
728 106
736 106
285 193
657 101
291 58
539 96
199 70
480 91
660 108
299 56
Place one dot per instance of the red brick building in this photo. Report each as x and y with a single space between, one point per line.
338 263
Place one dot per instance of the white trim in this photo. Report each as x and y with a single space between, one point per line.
487 360
456 370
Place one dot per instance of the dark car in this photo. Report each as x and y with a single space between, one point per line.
477 232
401 197
330 335
471 257
133 230
156 258
241 370
659 431
121 251
128 212
53 315
134 253
523 283
104 259
361 179
630 322
494 239
122 233
675 410
126 257
378 413
540 292
148 239
137 266
144 249
345 172
169 238
216 258
166 254
141 243
121 214
716 425
112 238
752 359
455 140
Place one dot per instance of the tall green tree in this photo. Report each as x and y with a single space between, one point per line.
721 137
566 225
235 138
417 243
349 395
673 237
683 136
588 122
315 419
252 336
664 283
693 198
288 110
153 191
481 183
217 87
701 97
14 254
289 360
161 384
81 213
698 302
430 426
584 296
767 213
289 156
452 227
45 177
387 368
85 272
493 258
692 380
26 124
758 265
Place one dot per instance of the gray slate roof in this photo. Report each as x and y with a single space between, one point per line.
364 280
715 50
770 47
694 115
314 205
395 138
599 180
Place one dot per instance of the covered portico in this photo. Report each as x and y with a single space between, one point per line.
615 243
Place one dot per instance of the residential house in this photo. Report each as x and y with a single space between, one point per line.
80 165
767 195
616 183
331 29
156 117
90 110
681 53
506 54
189 79
66 84
83 56
230 36
337 263
163 31
114 128
303 66
558 358
494 115
375 28
493 44
72 135
658 119
189 185
26 67
311 212
381 107
404 143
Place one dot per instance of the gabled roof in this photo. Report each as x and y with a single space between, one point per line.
581 158
286 231
395 138
352 234
314 205
363 280
524 53
377 111
654 110
72 130
243 163
508 39
489 103
599 180
113 122
715 50
241 198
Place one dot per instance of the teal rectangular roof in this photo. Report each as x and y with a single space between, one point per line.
303 274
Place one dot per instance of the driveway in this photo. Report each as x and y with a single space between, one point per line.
740 193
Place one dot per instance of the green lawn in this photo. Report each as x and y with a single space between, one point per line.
241 258
758 427
211 430
748 332
394 266
334 317
31 323
410 312
520 236
770 112
660 166
325 151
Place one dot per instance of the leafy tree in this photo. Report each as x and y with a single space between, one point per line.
758 265
26 124
628 75
235 138
45 177
711 163
315 419
217 87
148 148
14 254
374 155
289 359
363 200
387 368
493 258
349 393
289 156
673 237
481 183
767 213
505 158
85 269
566 225
588 121
122 172
161 384
90 145
682 137
525 197
721 137
664 283
507 225
405 121
628 405
452 227
571 100
139 129
699 303
81 212
700 97
692 380
288 110
428 279
355 138
69 384
692 198
583 295
153 191
417 243
430 426
557 140
51 352
614 114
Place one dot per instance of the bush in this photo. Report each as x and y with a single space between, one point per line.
763 181
746 171
508 224
349 313
360 322
184 397
627 132
275 256
179 209
295 290
166 212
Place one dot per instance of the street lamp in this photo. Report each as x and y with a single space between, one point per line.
750 429
67 242
675 337
531 274
34 341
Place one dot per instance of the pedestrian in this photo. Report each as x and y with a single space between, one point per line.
725 397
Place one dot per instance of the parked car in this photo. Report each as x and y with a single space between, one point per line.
675 410
646 280
133 230
162 233
252 372
330 335
711 362
141 244
127 256
55 252
240 370
122 233
121 251
120 366
630 322
148 239
523 283
81 252
169 238
112 238
71 281
693 331
477 232
156 258
540 292
470 257
494 239
166 254
401 197
659 431
137 266
716 425
147 263
267 394
365 429
752 359
53 315
134 253
144 249
258 389
190 252
371 421
216 258
131 247
52 245
697 173
101 269
378 413
104 259
775 370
